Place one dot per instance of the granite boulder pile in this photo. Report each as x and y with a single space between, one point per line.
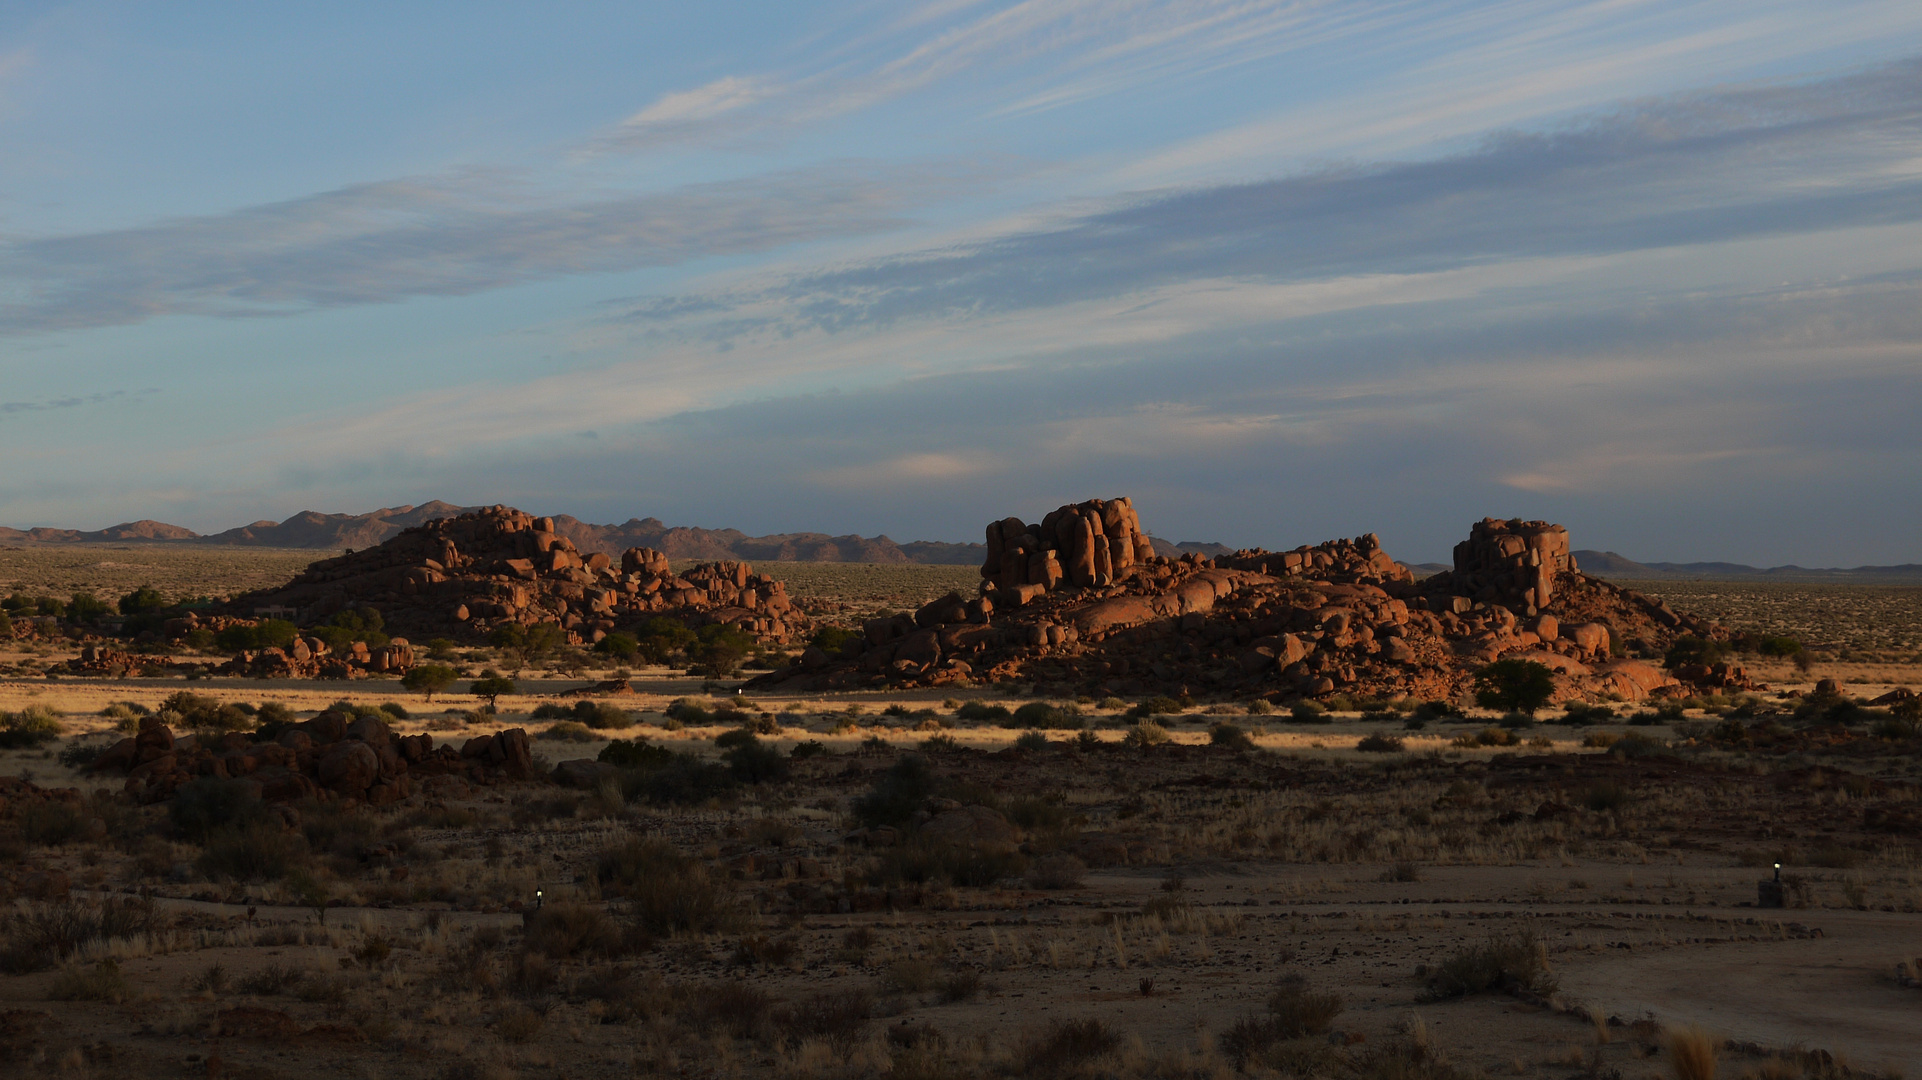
1336 617
461 576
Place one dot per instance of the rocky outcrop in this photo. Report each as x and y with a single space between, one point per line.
1337 617
332 756
462 576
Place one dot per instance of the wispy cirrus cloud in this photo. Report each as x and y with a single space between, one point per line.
448 235
1692 169
9 408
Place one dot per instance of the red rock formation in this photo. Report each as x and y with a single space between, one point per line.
1341 616
461 576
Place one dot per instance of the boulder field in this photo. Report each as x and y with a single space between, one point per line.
1080 600
459 577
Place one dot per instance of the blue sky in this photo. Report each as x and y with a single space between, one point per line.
1280 271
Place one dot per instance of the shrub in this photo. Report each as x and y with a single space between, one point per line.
1029 740
51 824
923 860
602 716
1577 714
1144 734
35 725
1041 714
1381 744
101 982
683 780
568 731
1606 795
833 639
620 645
259 851
1057 871
1230 736
204 805
752 761
206 714
1064 1044
564 930
1309 712
1296 1011
1156 706
1514 685
1518 959
1435 710
837 1019
1260 707
981 711
636 753
668 892
898 793
807 748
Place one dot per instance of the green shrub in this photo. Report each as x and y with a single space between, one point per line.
1157 706
923 860
209 803
1028 740
982 712
668 892
1579 714
259 851
1514 685
1041 714
602 716
833 639
619 645
1309 712
898 793
33 726
1230 736
568 731
1381 744
636 753
1144 734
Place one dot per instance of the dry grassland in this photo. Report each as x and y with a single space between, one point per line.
1578 904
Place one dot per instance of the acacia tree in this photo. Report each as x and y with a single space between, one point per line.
428 679
491 685
527 643
1514 686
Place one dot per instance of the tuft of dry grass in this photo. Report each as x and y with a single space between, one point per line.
1691 1053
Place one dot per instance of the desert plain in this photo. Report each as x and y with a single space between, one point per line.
989 879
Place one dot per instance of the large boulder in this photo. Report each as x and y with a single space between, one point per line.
348 767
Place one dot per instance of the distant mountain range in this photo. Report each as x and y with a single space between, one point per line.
314 530
311 529
1608 564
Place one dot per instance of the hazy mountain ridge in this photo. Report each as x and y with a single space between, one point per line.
312 529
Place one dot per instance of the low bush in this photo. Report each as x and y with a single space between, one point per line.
1230 736
256 852
602 716
923 860
1309 712
1041 714
568 731
838 1019
1057 871
1144 734
564 930
1295 1010
636 753
33 726
1063 1045
1029 740
667 891
1381 744
982 712
1515 960
898 793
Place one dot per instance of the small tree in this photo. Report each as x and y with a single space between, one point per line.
1514 685
145 598
619 645
527 643
428 679
491 685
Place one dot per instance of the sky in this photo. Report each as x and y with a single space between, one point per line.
1279 271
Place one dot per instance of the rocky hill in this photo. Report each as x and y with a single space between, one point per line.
462 576
1081 602
315 530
